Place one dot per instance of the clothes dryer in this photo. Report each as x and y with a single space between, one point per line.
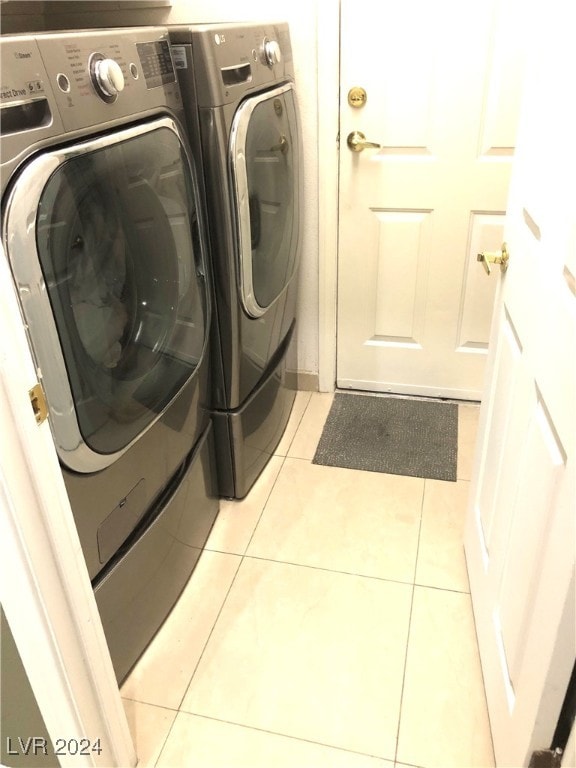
238 89
101 223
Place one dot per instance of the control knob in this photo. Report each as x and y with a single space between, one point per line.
272 52
107 77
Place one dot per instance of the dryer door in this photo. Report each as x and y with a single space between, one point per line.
105 246
265 168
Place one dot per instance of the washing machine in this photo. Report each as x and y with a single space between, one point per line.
102 225
237 83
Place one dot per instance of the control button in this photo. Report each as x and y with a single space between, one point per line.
107 77
63 83
272 52
134 71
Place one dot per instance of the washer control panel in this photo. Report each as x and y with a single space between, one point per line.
156 62
271 52
54 83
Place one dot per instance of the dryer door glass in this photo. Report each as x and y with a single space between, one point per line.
265 160
120 251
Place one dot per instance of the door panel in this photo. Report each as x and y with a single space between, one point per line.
112 281
486 233
521 533
413 308
400 236
265 168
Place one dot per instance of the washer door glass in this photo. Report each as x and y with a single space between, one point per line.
119 246
265 157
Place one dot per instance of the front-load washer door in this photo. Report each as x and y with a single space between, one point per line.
265 170
105 246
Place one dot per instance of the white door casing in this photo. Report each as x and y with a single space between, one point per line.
521 538
442 79
45 590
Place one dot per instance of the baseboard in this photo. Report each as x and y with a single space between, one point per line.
302 381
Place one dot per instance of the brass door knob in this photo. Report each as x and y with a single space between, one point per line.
357 142
501 258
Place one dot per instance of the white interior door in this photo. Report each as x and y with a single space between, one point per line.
442 82
520 539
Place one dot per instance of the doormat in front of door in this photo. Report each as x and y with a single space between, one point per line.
399 436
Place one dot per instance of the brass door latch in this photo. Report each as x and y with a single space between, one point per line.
501 258
357 142
39 404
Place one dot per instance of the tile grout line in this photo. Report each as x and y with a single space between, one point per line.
200 657
156 706
241 556
211 632
163 747
148 703
407 765
178 710
297 428
286 736
334 570
279 456
409 625
246 548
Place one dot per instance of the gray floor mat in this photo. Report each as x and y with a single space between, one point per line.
400 436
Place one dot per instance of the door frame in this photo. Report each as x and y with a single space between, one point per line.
46 593
328 23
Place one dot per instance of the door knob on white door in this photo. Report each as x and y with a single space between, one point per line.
495 258
357 142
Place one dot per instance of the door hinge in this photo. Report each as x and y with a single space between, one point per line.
546 758
39 404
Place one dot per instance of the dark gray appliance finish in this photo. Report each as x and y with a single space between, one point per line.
102 225
237 85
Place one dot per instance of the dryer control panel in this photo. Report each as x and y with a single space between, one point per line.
229 59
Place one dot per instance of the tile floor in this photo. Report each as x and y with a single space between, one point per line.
327 624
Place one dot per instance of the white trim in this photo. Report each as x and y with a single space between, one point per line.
569 756
328 30
408 389
44 586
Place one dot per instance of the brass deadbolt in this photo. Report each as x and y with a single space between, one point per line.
357 97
